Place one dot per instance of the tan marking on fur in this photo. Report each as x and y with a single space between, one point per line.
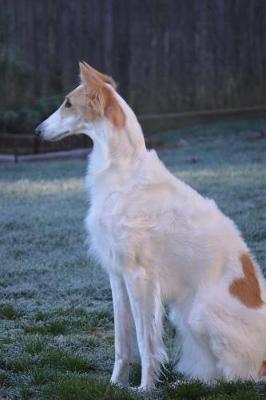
101 101
247 289
112 109
78 101
262 371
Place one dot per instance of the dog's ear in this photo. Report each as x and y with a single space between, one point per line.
88 77
105 78
101 100
93 89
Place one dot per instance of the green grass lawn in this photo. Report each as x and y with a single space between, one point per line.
56 322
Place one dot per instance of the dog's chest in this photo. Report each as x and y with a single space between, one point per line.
107 233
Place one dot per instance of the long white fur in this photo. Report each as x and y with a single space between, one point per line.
162 242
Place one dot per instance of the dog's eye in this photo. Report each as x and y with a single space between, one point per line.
67 103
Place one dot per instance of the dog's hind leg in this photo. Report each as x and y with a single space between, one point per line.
125 334
145 299
233 335
195 359
237 339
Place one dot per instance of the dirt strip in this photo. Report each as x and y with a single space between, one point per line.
56 155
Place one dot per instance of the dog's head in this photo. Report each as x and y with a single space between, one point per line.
91 103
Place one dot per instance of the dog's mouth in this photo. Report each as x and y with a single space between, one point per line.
59 137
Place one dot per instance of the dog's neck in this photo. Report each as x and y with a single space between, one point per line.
115 154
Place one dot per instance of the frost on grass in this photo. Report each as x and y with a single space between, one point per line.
56 323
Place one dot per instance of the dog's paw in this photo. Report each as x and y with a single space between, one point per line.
145 388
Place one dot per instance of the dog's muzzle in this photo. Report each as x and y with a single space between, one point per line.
38 131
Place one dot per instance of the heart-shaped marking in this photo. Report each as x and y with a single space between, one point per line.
262 371
247 289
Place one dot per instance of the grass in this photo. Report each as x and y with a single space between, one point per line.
56 324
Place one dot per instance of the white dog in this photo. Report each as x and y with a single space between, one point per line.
162 242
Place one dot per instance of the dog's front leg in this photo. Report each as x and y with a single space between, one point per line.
145 301
124 330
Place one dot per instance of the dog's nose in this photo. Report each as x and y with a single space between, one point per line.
38 131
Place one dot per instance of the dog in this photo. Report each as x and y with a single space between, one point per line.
161 242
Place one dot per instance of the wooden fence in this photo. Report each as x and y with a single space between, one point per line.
168 55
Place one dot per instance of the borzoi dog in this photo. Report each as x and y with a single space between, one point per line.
162 242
